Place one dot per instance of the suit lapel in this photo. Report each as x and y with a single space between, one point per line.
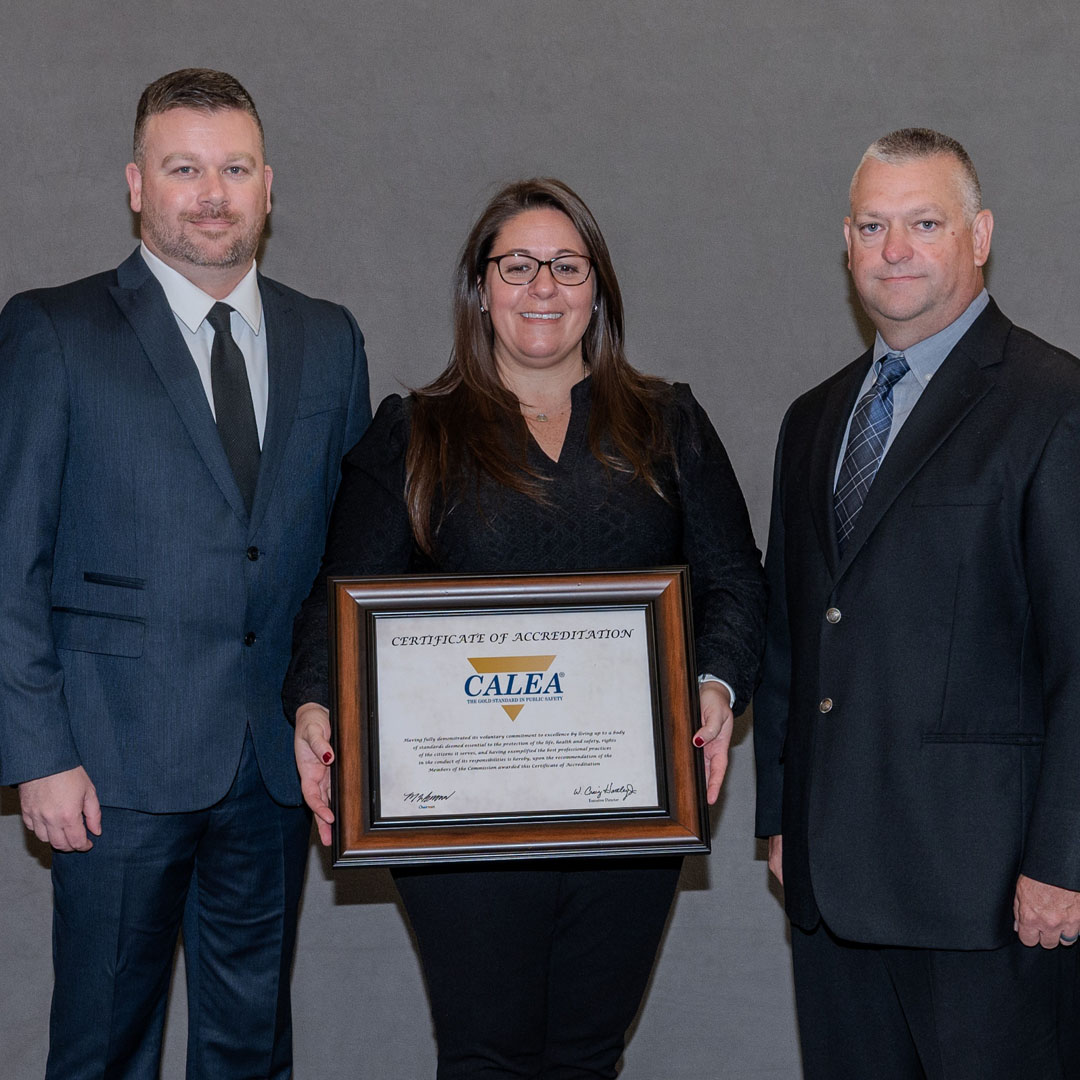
142 301
285 351
958 385
837 407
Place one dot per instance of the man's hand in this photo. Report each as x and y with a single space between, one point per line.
62 809
714 735
776 857
1044 914
314 753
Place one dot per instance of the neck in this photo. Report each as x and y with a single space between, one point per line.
900 336
543 391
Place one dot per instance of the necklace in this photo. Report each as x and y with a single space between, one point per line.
543 417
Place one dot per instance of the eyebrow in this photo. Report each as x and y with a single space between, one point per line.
530 253
172 159
930 210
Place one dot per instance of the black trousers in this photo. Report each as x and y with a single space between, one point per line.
888 1013
232 874
537 971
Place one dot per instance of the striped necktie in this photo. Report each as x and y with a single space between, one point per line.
869 432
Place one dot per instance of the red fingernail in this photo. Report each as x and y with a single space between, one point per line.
327 758
698 740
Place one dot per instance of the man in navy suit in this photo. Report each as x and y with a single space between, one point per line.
918 726
170 438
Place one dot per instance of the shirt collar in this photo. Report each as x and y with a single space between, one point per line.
926 356
191 305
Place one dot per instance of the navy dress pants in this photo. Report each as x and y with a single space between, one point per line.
537 970
117 914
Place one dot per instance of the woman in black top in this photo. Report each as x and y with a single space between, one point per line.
540 448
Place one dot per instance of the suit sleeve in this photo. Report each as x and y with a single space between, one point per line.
772 701
1051 543
360 395
369 533
35 735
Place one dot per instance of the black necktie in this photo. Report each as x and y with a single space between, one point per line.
233 409
870 424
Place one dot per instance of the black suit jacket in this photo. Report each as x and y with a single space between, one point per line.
918 728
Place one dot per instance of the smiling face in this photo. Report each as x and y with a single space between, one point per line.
538 326
203 192
915 260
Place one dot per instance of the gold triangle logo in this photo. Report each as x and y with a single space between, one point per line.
504 665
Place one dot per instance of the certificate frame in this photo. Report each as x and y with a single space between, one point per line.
671 819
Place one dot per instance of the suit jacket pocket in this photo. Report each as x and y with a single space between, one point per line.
98 632
117 580
985 738
315 404
957 495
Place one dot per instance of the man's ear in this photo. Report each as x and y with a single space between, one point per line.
982 228
134 183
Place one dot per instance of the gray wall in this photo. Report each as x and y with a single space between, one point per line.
715 142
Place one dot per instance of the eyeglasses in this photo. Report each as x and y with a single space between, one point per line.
521 269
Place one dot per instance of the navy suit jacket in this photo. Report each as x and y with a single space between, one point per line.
145 619
917 730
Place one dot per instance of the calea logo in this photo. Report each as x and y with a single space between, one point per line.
518 678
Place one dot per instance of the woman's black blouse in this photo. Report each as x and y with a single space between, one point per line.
594 518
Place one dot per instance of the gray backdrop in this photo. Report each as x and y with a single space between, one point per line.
714 141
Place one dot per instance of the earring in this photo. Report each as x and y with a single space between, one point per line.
483 310
596 307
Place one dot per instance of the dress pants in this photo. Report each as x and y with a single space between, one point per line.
537 971
117 915
888 1013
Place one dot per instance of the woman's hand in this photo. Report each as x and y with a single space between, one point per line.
314 753
714 735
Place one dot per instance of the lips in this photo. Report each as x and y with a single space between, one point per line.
213 219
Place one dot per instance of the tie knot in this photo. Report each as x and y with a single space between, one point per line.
894 367
218 318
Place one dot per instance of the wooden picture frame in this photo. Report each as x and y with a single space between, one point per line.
498 717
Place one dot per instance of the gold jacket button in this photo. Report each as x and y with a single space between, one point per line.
833 615
825 705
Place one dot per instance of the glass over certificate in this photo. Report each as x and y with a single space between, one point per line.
548 710
512 717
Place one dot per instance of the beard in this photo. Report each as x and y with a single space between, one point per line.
172 241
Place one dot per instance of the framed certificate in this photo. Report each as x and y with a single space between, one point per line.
513 717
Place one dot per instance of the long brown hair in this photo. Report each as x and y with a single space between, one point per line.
461 420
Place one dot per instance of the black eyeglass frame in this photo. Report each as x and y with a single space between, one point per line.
540 264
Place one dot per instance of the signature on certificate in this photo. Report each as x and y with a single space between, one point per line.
427 799
607 792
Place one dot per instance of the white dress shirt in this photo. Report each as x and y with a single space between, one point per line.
190 306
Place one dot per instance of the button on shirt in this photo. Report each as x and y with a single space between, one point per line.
190 306
924 358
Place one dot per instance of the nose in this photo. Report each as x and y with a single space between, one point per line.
544 283
212 190
897 247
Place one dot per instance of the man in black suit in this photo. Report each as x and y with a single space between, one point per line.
171 435
918 726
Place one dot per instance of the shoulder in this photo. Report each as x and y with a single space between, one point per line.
383 446
682 411
826 402
689 425
323 314
56 301
1036 378
1028 354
